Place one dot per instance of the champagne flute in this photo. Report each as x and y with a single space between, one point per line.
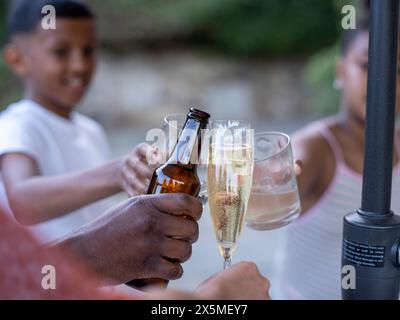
172 127
229 180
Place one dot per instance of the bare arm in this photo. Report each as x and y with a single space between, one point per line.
138 239
121 245
34 199
309 153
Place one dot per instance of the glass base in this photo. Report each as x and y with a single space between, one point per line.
265 224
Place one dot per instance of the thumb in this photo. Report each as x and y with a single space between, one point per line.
298 167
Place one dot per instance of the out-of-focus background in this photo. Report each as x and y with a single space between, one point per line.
268 61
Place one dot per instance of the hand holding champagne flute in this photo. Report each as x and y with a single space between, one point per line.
230 172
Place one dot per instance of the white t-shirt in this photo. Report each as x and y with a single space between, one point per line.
59 146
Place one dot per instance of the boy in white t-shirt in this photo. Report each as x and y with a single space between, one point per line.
53 160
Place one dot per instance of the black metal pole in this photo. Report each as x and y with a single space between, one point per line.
371 246
381 101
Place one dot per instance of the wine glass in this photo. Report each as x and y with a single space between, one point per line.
172 126
274 200
229 180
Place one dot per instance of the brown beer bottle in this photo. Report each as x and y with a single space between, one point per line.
179 173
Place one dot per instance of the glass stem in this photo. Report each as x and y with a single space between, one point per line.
227 263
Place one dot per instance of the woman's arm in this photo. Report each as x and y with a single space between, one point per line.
310 152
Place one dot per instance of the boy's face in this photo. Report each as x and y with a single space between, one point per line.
58 64
352 72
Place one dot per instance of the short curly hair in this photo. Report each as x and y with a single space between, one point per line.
25 15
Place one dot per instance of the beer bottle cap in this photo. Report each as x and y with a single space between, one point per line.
198 115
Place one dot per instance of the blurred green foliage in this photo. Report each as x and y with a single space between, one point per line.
235 27
8 90
319 77
320 72
250 27
240 27
2 21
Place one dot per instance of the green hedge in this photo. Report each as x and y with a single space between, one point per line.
237 27
244 27
319 78
320 72
2 21
10 90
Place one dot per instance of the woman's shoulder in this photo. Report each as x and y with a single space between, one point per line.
317 160
312 137
312 148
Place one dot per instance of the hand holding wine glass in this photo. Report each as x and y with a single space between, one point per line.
274 200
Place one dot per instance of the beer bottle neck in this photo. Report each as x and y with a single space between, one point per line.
186 151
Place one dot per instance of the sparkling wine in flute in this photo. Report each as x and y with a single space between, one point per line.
229 186
179 173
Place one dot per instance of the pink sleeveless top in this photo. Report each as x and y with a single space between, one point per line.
312 257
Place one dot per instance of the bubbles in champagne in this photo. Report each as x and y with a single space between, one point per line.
229 184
